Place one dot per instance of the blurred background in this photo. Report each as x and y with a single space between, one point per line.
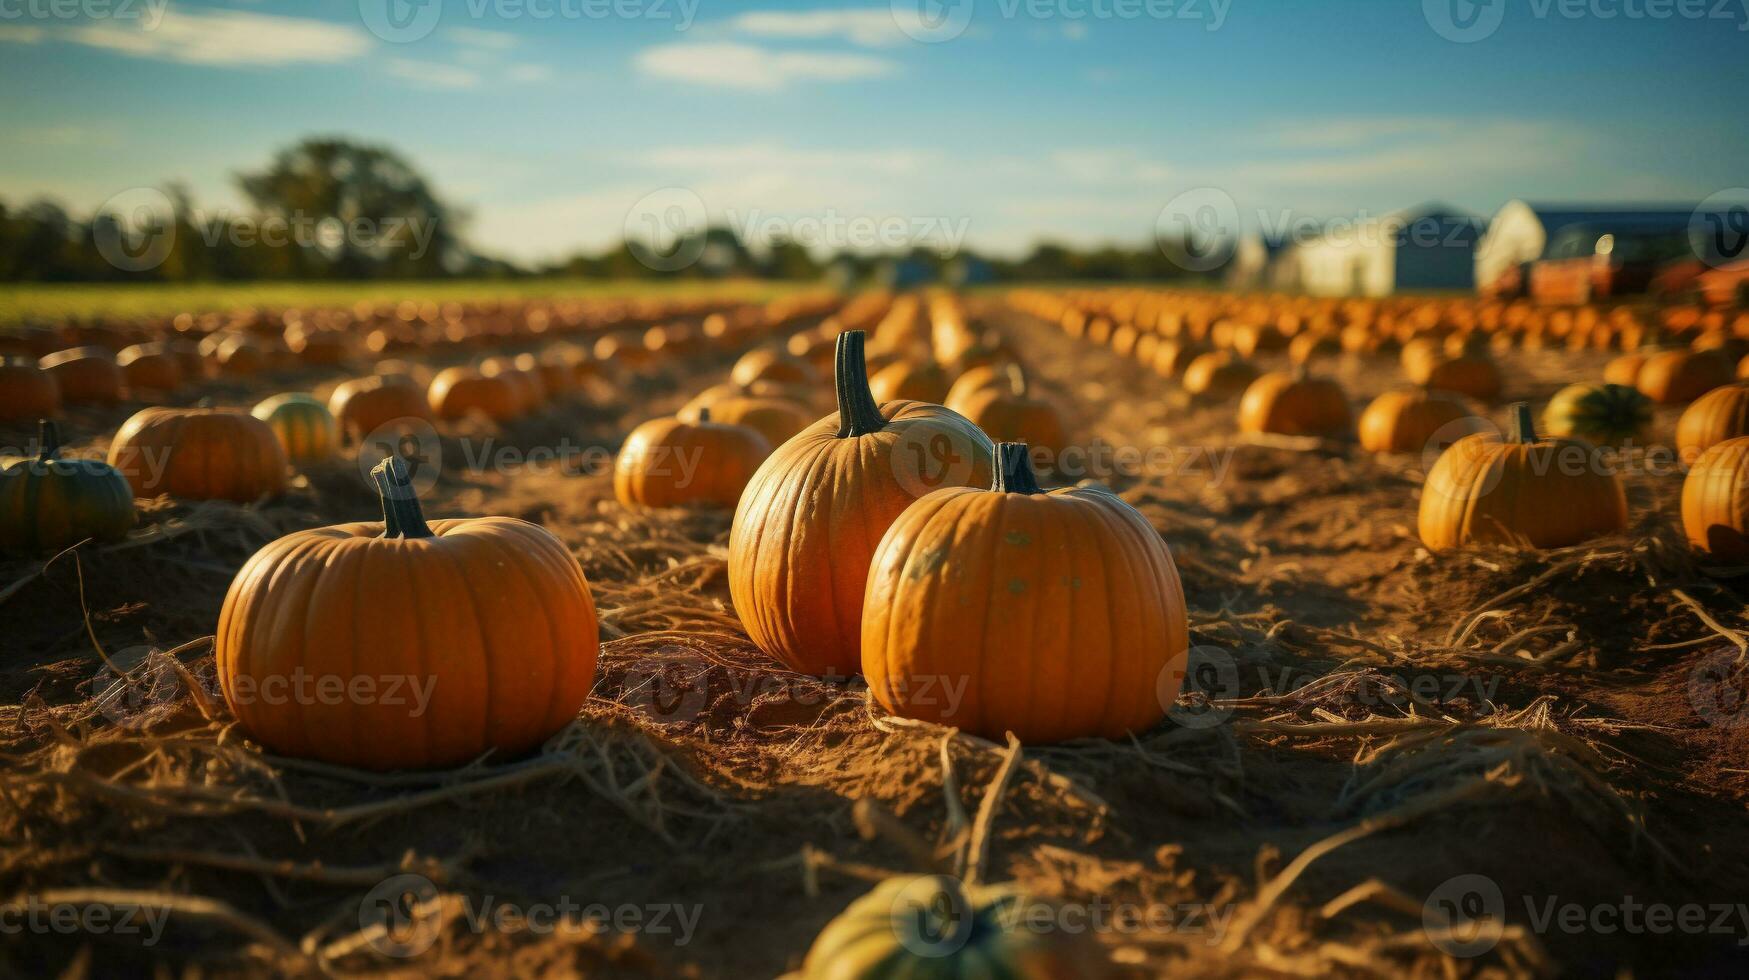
968 140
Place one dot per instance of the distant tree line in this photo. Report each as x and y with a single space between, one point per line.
331 209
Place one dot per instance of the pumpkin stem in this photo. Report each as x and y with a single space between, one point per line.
49 436
1014 469
402 515
1523 428
858 415
704 415
1016 380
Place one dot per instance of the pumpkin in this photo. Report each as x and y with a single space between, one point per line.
1308 347
48 504
531 395
363 405
458 392
1520 491
673 463
1743 367
1720 414
1475 375
811 516
934 927
464 636
1414 421
1218 375
771 364
303 425
150 367
1014 414
777 419
237 355
986 592
1295 404
1173 357
973 381
1674 377
910 380
1603 415
27 391
199 454
317 347
1715 508
85 374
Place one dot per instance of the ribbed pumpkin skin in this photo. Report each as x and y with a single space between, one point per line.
27 391
808 524
1282 404
1673 377
302 424
670 463
777 419
459 392
1715 501
494 614
49 504
199 454
1486 491
1407 421
1056 613
363 405
86 374
1720 414
1603 415
867 940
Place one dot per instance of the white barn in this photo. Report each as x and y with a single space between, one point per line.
1428 247
1521 231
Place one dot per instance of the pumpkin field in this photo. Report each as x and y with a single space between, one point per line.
1041 631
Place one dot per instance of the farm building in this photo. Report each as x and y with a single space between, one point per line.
1255 263
1427 247
1521 231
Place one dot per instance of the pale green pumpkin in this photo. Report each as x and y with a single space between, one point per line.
1601 414
303 425
48 503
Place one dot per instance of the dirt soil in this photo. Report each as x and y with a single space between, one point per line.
1380 737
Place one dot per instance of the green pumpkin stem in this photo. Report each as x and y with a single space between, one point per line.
402 515
858 415
704 415
1523 427
1014 469
49 436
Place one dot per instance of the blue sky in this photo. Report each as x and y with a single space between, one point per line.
1076 120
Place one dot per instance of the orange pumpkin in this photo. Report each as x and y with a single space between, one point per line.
1218 375
1295 404
1522 491
810 518
772 364
984 593
1014 414
1414 421
1720 414
199 454
674 463
85 374
1173 357
459 392
531 396
363 405
777 419
150 367
27 391
437 659
1673 377
910 380
1715 506
1475 375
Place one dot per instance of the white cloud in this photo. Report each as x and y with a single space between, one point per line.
744 157
872 27
228 38
529 73
754 68
1107 166
17 34
477 38
432 74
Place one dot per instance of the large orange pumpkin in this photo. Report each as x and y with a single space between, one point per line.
1295 404
1050 615
1673 377
1521 491
199 454
444 640
1715 501
810 518
674 463
1013 413
1414 421
86 374
363 405
458 392
1720 414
